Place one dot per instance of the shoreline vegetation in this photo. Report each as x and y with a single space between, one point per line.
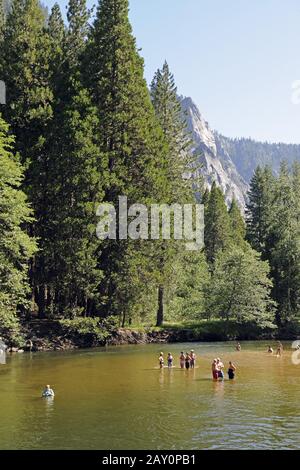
62 335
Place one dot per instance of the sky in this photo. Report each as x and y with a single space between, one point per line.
237 59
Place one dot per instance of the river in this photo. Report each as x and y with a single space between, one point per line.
117 398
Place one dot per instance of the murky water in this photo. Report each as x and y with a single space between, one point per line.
117 398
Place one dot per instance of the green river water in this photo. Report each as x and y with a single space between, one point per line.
117 398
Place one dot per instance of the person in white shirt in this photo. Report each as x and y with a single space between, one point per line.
48 392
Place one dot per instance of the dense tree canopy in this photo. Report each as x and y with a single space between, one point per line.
88 130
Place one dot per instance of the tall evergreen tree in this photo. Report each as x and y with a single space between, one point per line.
71 270
24 66
130 139
285 255
217 224
16 248
259 212
169 114
237 223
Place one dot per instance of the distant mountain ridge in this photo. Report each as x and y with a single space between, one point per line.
231 162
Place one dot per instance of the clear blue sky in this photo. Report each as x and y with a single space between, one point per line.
237 59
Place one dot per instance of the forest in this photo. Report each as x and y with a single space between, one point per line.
81 127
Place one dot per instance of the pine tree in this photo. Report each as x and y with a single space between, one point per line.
285 255
169 115
56 27
24 66
259 212
70 260
16 248
78 28
217 224
205 197
237 223
131 140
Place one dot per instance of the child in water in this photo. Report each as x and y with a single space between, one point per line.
231 371
170 360
161 360
270 350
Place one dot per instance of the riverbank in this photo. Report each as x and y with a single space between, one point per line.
54 335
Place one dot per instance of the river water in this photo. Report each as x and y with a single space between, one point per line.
117 398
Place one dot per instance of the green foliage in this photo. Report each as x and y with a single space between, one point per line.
16 247
240 288
90 331
88 131
259 210
217 224
188 293
273 227
237 225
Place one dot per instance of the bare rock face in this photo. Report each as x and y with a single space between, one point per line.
216 164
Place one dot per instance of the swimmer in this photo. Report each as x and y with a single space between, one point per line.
182 360
193 359
270 350
238 347
170 360
161 360
231 371
48 392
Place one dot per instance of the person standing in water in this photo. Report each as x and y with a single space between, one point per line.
238 347
214 369
231 371
48 392
279 349
161 360
182 360
170 360
193 359
187 361
220 367
270 350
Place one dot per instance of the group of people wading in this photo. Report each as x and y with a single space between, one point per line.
188 361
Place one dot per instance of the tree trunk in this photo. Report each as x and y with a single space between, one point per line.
160 309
